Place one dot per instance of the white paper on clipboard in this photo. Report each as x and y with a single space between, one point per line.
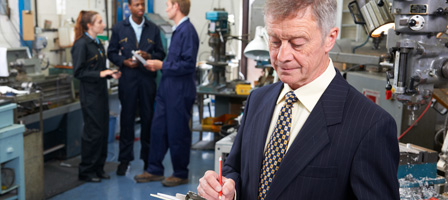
139 57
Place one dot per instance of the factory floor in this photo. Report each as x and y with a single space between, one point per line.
124 187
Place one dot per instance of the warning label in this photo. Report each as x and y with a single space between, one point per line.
372 95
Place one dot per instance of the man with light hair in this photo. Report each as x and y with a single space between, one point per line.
312 135
174 101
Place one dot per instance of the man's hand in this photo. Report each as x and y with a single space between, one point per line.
145 55
209 187
130 63
153 65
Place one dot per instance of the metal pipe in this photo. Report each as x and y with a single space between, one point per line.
35 7
107 18
53 149
245 32
402 68
41 117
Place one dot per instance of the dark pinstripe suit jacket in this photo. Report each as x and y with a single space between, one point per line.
347 149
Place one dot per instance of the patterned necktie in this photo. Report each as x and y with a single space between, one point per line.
276 149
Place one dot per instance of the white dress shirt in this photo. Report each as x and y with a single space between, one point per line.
308 96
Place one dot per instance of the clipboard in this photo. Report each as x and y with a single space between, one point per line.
189 196
139 57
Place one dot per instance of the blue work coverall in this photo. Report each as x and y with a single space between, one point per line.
137 87
174 102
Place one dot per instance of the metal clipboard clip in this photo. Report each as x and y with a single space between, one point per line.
139 57
193 196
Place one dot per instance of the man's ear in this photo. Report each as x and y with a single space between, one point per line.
176 5
330 39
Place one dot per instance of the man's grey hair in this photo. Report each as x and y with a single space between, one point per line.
324 11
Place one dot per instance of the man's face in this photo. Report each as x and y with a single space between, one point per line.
297 51
170 9
137 8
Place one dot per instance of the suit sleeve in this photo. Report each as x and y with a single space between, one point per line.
114 49
375 165
159 52
80 66
186 62
232 166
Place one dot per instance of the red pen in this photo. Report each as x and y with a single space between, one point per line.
220 176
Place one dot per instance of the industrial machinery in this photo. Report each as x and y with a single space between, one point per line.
218 31
44 103
423 161
417 173
258 50
222 148
25 73
416 62
223 65
420 56
21 66
417 56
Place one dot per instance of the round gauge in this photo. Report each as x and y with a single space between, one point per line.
7 177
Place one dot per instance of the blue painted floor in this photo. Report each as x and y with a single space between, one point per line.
124 187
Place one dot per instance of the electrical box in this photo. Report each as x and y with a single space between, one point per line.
222 148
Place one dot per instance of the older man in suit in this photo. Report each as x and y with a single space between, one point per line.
312 135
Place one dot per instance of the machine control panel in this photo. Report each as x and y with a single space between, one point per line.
418 9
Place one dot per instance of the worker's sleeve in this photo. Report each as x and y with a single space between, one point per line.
159 52
185 51
375 165
81 63
114 49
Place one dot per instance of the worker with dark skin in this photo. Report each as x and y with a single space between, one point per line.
137 86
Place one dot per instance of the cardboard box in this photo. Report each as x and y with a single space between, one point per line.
28 25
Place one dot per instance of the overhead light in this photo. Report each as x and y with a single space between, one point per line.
258 48
378 18
382 29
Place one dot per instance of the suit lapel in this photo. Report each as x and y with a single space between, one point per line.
313 136
264 114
